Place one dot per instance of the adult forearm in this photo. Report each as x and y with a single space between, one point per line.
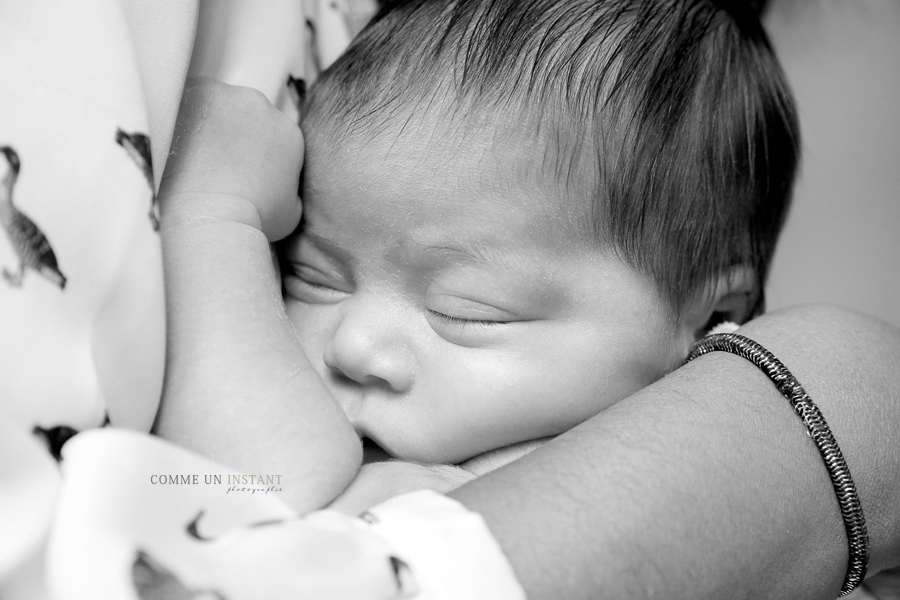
705 485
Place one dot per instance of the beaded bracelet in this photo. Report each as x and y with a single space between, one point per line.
790 388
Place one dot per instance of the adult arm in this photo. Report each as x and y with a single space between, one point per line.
705 484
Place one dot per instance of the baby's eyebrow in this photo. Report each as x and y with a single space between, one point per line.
472 251
436 239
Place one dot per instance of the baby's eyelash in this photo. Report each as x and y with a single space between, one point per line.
465 322
310 284
297 284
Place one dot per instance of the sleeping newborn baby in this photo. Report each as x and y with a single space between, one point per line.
515 214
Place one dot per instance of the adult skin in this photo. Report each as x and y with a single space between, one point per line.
705 484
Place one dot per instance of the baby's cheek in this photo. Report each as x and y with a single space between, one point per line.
540 392
502 399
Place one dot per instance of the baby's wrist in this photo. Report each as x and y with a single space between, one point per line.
189 210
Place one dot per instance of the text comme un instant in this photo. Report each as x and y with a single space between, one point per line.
211 479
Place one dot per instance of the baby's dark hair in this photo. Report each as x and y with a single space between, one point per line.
675 112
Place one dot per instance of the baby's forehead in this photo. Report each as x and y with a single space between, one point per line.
479 148
453 181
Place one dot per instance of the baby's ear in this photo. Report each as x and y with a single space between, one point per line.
730 296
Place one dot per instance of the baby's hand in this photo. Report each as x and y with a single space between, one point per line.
238 387
234 157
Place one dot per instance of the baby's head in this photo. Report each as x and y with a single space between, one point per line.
519 212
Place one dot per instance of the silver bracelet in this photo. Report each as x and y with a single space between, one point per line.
790 388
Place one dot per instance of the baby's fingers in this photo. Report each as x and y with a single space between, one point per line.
231 142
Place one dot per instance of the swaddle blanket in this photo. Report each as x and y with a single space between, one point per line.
89 92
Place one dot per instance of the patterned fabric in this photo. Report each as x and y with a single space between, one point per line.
81 305
247 43
90 94
138 517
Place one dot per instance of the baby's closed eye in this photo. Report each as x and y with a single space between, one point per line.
467 322
310 275
312 284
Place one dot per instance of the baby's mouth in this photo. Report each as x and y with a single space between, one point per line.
372 452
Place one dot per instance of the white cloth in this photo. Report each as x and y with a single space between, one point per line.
135 508
448 548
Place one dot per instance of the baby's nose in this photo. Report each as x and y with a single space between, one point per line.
368 350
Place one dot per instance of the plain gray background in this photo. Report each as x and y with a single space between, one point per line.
841 243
